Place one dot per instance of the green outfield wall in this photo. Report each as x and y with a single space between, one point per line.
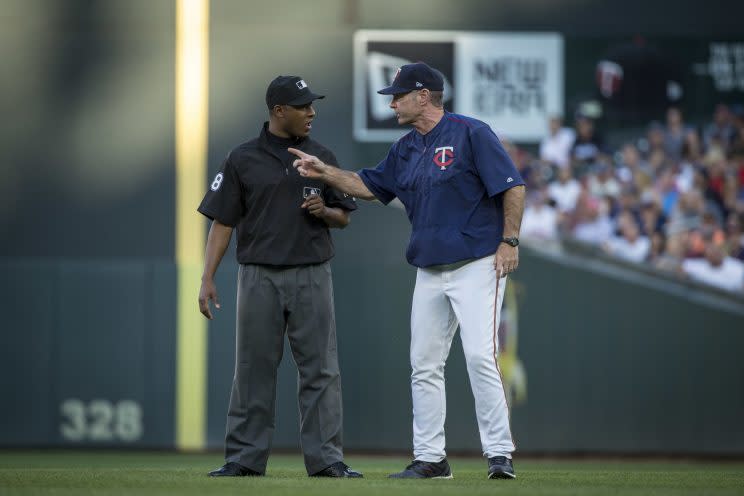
599 358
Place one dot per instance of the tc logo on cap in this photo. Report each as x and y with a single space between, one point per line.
301 84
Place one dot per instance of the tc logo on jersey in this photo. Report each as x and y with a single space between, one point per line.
444 156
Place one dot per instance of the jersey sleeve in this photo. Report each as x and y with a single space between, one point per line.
333 197
494 165
223 201
380 181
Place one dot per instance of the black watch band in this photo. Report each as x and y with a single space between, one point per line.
511 241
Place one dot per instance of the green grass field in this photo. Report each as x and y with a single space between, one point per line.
147 473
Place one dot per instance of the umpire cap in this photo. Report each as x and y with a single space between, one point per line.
289 90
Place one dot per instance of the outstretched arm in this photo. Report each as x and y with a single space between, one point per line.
346 181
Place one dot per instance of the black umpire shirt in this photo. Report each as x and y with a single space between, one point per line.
259 191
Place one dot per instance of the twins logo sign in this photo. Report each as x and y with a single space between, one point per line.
444 156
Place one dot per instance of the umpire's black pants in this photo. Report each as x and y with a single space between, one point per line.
270 301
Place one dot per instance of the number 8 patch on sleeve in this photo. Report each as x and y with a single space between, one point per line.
217 181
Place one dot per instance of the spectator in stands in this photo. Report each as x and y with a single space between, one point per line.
632 169
716 269
692 149
666 189
673 255
735 236
721 130
657 249
631 245
565 191
652 217
737 167
664 201
690 162
654 140
731 187
687 214
623 217
721 185
708 232
737 115
737 146
658 162
540 219
674 134
555 148
602 181
588 146
592 220
627 202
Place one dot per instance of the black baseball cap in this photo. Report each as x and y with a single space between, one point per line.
415 77
289 90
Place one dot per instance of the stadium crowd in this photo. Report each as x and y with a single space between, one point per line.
672 198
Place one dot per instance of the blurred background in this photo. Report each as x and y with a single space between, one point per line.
622 330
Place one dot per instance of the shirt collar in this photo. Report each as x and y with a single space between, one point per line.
274 141
426 139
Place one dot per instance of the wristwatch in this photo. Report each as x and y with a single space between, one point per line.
511 241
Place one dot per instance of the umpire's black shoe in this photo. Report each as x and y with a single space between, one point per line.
500 467
338 469
232 469
425 470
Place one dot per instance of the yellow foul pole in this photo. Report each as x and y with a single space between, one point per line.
192 69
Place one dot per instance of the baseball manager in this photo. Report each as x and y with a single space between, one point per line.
464 198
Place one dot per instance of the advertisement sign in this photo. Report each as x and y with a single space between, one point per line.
511 81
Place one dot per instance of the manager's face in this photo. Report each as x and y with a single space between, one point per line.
407 106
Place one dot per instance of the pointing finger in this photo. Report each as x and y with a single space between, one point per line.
297 152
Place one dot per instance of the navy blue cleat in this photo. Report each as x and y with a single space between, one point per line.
500 467
425 470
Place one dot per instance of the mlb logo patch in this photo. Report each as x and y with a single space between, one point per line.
301 84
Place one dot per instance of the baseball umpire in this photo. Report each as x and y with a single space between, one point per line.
464 198
284 284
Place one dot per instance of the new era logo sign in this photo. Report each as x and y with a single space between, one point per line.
509 180
509 80
419 85
301 84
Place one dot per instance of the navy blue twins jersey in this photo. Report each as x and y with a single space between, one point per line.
450 181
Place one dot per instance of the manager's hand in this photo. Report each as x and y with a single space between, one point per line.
307 165
506 260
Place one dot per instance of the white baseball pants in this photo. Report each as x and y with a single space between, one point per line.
469 295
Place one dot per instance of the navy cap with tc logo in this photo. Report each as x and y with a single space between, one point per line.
289 90
415 77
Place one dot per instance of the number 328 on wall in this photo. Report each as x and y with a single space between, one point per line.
101 420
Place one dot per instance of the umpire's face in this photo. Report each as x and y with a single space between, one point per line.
296 120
